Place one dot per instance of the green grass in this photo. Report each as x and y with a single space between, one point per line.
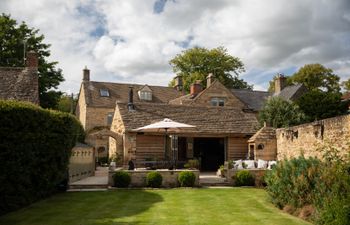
243 206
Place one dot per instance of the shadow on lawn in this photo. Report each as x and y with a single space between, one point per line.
128 203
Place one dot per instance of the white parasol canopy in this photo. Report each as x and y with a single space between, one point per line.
166 124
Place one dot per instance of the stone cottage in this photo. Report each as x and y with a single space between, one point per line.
21 83
224 117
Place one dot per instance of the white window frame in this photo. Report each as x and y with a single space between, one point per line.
104 93
217 101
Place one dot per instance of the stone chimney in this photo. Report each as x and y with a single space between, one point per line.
210 79
196 88
280 82
86 74
178 83
32 59
131 106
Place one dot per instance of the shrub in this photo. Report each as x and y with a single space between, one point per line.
291 182
243 178
154 179
121 179
187 179
35 149
192 164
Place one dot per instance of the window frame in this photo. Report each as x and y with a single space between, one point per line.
104 93
217 101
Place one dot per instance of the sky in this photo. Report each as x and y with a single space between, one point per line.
132 41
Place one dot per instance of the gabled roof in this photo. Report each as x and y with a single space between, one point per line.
293 92
120 92
19 83
265 133
253 99
208 120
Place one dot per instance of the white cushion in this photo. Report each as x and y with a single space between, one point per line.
271 163
238 164
262 164
250 164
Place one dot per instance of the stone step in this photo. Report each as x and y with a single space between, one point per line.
88 186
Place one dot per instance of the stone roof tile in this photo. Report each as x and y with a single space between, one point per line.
208 120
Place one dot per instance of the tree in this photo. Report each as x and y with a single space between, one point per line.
196 63
316 76
67 103
278 112
346 85
14 41
319 105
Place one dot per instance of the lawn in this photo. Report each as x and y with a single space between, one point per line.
243 206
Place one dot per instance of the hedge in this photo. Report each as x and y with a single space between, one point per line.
35 146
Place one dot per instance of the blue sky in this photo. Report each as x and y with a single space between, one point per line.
132 41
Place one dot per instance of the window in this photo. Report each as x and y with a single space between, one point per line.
217 101
104 92
261 146
145 95
109 118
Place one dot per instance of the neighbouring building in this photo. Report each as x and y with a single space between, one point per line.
225 118
21 83
263 144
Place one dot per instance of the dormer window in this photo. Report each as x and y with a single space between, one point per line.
145 93
104 93
217 101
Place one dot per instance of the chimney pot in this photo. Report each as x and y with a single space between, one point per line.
32 59
280 83
210 79
196 88
86 74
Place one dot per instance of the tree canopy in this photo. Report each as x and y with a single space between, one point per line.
318 105
346 85
316 76
278 112
14 41
196 63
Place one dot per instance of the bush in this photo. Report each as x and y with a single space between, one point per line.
243 178
291 182
35 149
154 179
192 164
121 179
187 179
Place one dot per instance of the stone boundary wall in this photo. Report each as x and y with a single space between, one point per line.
138 177
303 139
81 163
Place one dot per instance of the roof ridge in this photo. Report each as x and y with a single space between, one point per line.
131 84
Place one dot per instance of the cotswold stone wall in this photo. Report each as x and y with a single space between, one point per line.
81 163
304 139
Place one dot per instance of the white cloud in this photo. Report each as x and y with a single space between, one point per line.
125 41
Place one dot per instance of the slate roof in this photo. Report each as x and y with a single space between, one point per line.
293 92
208 120
253 99
265 133
19 83
120 92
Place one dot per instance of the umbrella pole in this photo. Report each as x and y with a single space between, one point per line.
166 145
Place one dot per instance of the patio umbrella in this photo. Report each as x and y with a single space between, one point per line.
166 125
